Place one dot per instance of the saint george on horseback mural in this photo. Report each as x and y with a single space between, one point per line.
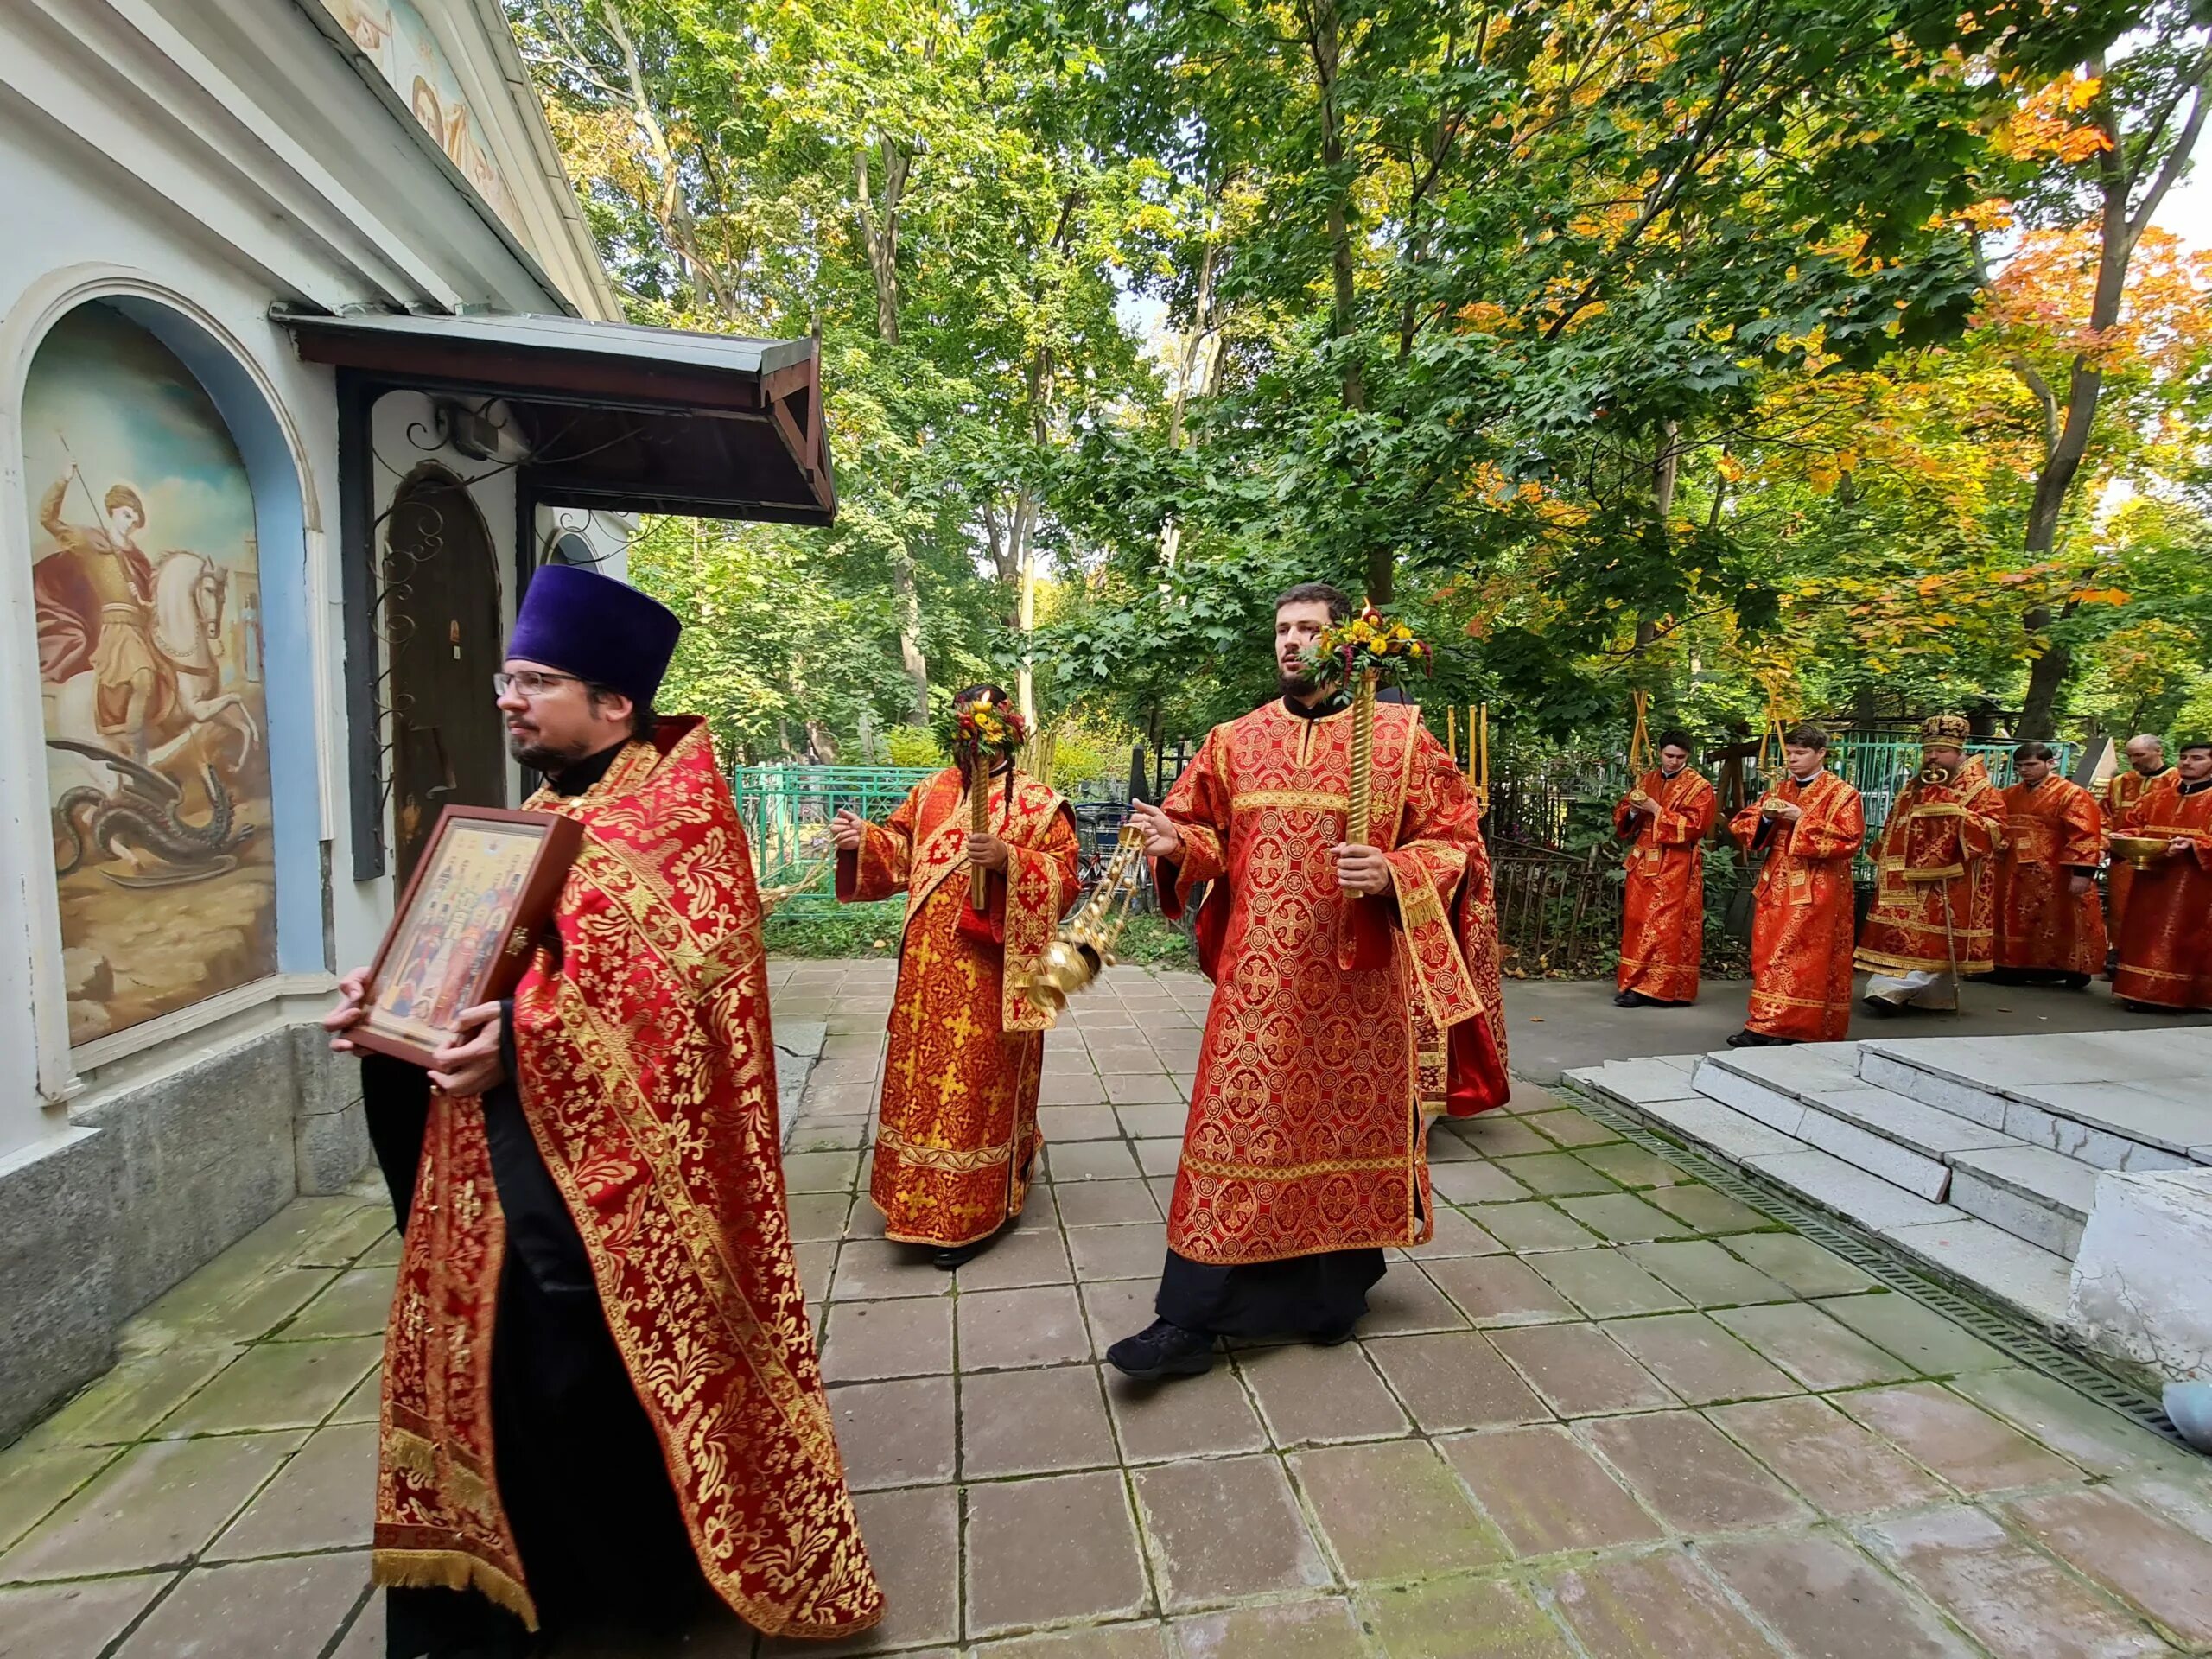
143 552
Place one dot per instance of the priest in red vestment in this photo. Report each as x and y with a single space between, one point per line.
2051 926
1665 818
1808 827
1356 997
601 1403
2146 764
1935 914
2165 940
956 1135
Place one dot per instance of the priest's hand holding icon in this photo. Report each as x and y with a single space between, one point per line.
847 829
1361 869
352 992
474 1065
1161 838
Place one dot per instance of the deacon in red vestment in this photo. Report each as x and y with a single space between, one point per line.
957 1133
600 1396
1935 914
2146 764
2049 923
1810 826
2166 940
1355 998
1666 817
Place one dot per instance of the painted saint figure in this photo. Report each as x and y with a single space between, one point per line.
1809 827
96 597
2051 926
1665 818
601 1400
1934 910
1356 998
957 1136
2165 939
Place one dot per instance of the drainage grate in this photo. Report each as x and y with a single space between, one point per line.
2006 1332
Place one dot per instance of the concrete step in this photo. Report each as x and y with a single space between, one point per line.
2112 1100
2033 1194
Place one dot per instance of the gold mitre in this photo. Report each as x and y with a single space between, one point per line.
1944 731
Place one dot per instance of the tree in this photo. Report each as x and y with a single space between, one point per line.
2108 142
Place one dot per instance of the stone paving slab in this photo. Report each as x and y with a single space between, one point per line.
1606 1415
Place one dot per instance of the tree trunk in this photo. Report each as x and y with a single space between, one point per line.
672 211
878 224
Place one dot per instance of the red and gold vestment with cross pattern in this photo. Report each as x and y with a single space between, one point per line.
2053 831
956 1135
1662 904
1801 907
647 1078
2166 940
2122 791
1340 1025
1936 878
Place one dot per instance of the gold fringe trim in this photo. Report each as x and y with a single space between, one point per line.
450 1569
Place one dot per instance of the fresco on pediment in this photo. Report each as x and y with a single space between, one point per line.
395 37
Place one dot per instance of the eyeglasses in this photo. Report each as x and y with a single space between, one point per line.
529 683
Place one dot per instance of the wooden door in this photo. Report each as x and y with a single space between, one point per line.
441 615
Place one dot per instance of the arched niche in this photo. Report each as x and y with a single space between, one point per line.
169 582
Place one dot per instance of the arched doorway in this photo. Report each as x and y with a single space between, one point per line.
442 617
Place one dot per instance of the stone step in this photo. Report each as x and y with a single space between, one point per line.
1989 1261
2033 1194
1721 1130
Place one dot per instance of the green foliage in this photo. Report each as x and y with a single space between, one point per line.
839 931
1149 941
913 745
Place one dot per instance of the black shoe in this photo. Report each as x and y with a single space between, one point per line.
1881 1006
2074 982
1335 1339
953 1255
1748 1038
1631 1000
1162 1349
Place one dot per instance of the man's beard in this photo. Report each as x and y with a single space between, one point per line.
540 758
1302 683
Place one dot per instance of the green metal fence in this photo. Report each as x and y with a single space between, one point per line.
786 811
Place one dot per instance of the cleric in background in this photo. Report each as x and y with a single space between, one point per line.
1934 909
957 1133
1665 817
2050 924
1808 827
2146 764
601 1397
1355 998
2165 940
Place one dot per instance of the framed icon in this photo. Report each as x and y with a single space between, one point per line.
465 927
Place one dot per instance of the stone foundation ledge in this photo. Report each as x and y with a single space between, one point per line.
2141 1292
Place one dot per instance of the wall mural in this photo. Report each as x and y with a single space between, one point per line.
147 581
395 37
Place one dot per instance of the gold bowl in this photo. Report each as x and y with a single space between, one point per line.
2140 851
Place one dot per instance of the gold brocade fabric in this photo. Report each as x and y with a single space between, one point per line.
1307 1129
2122 791
1800 917
957 1133
2165 940
647 1076
2052 829
1936 878
1662 906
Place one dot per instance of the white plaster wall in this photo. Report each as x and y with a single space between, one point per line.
2141 1288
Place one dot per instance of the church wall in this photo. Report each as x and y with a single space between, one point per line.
191 163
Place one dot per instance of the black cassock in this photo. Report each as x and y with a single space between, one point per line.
579 1467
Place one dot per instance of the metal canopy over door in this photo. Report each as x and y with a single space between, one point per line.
441 616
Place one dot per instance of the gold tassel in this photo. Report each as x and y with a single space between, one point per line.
451 1569
411 1453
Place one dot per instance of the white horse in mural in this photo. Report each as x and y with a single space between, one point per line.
192 727
190 590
